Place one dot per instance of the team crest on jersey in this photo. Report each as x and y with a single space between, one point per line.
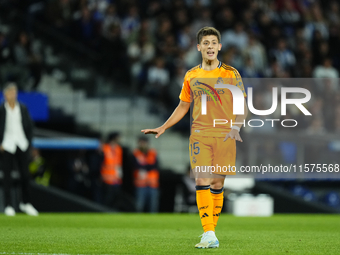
197 83
220 80
194 160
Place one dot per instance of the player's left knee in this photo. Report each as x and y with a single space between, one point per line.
217 184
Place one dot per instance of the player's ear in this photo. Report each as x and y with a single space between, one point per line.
219 46
198 47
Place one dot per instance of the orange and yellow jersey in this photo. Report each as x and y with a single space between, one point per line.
219 102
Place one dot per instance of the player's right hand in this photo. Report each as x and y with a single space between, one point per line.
158 131
233 134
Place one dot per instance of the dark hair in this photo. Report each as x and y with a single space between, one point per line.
112 136
143 138
10 85
208 31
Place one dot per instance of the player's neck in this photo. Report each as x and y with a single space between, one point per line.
209 65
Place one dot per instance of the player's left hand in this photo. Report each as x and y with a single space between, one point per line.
233 134
158 131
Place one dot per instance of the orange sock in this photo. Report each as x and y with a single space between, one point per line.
218 198
205 207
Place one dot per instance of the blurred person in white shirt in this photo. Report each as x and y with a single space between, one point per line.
16 131
329 75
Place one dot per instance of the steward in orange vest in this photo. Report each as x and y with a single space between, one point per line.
111 170
146 176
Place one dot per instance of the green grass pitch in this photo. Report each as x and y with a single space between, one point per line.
167 234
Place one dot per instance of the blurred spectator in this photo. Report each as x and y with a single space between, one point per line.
326 70
26 57
140 53
249 21
38 169
202 20
321 52
6 65
116 62
283 55
5 51
154 8
296 38
86 28
273 12
143 29
130 22
98 7
316 24
275 34
146 177
176 83
180 19
169 48
334 12
316 41
110 18
256 52
224 18
233 58
95 161
249 70
111 170
158 76
235 37
305 71
301 50
317 127
317 107
16 131
158 81
191 56
184 39
290 17
79 181
265 25
59 14
330 82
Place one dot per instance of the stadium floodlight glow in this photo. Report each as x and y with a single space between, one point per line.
238 101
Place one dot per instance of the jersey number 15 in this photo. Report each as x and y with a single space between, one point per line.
194 148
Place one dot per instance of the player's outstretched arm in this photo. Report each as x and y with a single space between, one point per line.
176 116
235 134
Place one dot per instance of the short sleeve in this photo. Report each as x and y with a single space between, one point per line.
239 82
185 92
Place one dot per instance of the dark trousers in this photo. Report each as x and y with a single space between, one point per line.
111 194
21 159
